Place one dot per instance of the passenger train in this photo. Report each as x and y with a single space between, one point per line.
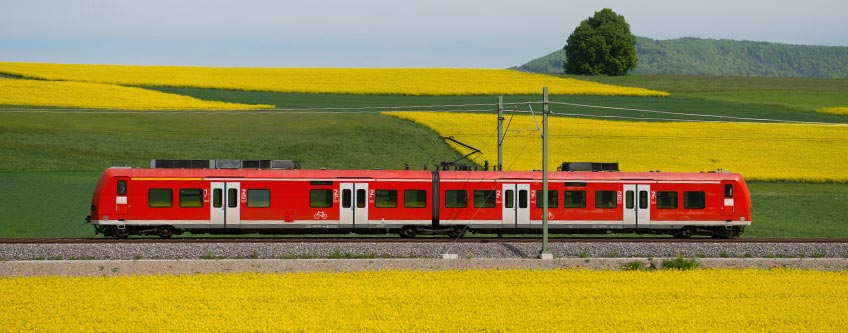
238 197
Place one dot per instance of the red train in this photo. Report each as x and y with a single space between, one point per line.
260 199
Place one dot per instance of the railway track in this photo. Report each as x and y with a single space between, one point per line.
415 240
419 247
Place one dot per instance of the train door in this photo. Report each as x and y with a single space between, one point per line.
225 210
516 205
729 206
121 204
637 205
354 205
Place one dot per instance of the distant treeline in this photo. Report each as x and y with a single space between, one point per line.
695 56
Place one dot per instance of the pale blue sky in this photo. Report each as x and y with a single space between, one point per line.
377 33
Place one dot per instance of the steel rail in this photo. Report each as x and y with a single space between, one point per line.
178 240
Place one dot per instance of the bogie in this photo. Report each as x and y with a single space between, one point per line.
408 231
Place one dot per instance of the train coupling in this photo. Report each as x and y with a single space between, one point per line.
88 219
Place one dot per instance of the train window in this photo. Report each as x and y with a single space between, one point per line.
122 187
360 198
509 200
666 199
456 199
386 199
553 199
232 198
522 198
191 198
728 190
320 182
415 199
347 198
484 199
217 198
643 199
258 198
605 199
159 198
575 199
629 199
575 184
320 198
694 200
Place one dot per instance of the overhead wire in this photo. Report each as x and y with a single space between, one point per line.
393 107
586 115
356 111
538 127
693 114
523 149
455 108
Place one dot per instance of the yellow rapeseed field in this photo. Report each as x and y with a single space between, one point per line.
767 152
443 301
843 110
402 81
102 96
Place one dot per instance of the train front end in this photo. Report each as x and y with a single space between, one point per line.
109 202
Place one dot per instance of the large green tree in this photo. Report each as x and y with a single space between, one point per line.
601 44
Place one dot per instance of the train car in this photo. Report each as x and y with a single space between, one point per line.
233 200
679 204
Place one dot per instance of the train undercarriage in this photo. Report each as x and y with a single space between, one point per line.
410 231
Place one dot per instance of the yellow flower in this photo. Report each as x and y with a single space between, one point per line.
766 152
415 301
400 81
102 96
843 110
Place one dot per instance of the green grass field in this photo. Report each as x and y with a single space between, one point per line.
51 160
798 94
94 141
798 210
680 104
46 204
694 83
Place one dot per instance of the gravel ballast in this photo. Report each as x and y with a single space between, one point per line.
424 250
108 259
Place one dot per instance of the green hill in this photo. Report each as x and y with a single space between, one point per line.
695 56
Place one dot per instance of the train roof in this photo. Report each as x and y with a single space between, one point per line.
254 173
592 176
339 175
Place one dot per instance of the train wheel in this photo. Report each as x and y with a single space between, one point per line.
737 231
166 232
721 233
457 232
685 232
122 233
407 231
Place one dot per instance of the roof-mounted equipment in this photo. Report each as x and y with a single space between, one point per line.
589 166
225 164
